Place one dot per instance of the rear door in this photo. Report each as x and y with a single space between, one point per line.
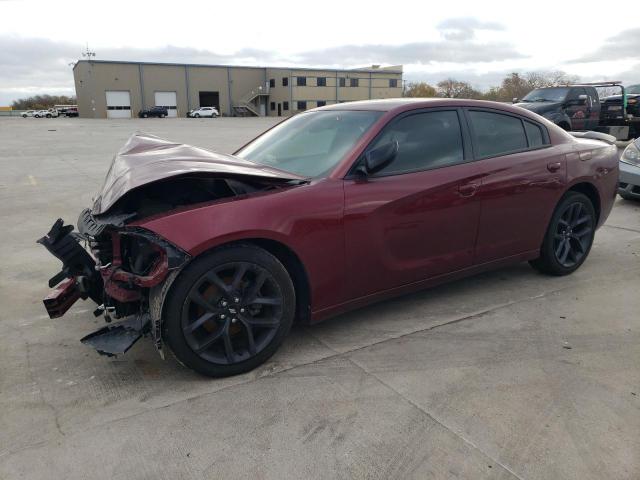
522 177
418 217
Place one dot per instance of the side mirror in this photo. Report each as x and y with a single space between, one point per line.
515 100
379 157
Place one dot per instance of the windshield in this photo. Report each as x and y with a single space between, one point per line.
633 89
310 144
556 94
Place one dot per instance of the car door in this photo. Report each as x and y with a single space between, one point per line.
522 178
418 217
577 109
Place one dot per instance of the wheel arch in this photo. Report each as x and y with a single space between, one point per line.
590 190
291 261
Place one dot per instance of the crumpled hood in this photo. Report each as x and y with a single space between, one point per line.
539 107
146 159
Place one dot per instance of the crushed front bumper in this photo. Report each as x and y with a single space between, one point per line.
118 292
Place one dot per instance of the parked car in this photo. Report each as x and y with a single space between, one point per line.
572 107
159 112
216 255
29 113
71 112
629 186
211 112
42 114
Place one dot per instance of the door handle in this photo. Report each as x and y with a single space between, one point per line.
554 166
468 189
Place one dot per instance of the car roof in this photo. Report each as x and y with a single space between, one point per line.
397 105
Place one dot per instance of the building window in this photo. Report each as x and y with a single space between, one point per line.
285 82
301 105
272 83
285 105
321 103
322 81
301 81
353 82
272 106
343 82
393 83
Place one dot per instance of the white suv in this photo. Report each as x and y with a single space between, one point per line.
210 112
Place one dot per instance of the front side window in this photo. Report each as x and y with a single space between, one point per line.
310 144
496 134
425 140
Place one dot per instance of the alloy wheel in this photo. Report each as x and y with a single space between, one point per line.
572 237
232 313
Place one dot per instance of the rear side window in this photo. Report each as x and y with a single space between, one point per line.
496 134
534 135
426 141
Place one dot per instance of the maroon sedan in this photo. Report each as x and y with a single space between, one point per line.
217 255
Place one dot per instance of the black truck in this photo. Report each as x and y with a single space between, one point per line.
572 107
579 107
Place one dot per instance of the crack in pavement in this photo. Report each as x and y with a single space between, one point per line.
627 229
336 354
430 416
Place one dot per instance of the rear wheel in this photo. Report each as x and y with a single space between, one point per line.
197 115
229 311
569 236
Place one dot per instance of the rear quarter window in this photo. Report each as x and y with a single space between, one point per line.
534 135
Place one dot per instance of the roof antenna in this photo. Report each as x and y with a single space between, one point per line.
88 53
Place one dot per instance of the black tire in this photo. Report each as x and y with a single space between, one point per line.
144 115
162 115
228 311
626 196
197 115
569 236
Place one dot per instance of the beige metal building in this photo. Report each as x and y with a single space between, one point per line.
110 89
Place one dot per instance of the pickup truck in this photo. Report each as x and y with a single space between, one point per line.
571 107
578 107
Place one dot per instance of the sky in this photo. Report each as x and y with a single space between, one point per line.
473 41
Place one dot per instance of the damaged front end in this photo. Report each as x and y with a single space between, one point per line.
125 269
124 266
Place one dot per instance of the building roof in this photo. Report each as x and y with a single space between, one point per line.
395 69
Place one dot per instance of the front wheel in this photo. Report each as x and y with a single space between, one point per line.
569 237
197 115
229 311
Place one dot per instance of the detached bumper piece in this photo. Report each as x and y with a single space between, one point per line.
78 277
117 338
61 298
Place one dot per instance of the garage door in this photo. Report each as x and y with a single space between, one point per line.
118 104
167 100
